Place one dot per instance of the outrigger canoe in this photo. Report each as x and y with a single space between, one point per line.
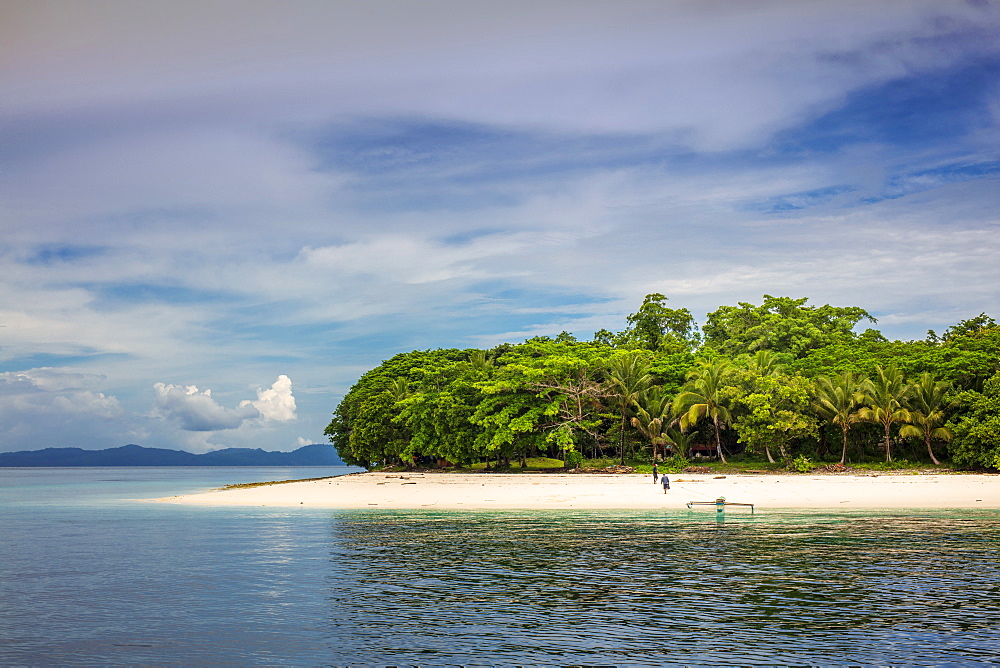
720 504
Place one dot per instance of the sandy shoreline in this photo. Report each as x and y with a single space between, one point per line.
455 491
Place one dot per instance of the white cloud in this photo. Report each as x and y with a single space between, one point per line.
89 403
276 403
64 407
601 66
48 407
47 391
413 259
222 230
47 379
197 410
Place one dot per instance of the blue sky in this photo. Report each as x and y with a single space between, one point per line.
216 215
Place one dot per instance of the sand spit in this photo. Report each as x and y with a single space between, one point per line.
456 491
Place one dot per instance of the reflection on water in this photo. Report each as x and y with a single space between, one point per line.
685 588
86 581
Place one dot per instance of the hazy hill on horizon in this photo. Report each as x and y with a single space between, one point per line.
317 454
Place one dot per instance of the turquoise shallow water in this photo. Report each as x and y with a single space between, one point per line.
87 578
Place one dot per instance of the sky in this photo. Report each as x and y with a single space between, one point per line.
215 215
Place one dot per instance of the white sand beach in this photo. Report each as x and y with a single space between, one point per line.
624 491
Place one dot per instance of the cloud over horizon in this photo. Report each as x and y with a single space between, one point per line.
219 191
197 410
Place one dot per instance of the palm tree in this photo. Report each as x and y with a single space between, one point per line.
628 378
885 399
837 400
399 389
680 442
764 363
929 405
480 360
701 397
653 414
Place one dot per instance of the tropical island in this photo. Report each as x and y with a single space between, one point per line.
781 404
779 386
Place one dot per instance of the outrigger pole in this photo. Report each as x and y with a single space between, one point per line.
720 504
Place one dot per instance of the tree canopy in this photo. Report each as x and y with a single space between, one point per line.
781 325
776 379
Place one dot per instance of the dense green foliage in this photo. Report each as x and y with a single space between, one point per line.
782 379
977 429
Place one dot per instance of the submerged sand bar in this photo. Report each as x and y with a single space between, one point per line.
456 491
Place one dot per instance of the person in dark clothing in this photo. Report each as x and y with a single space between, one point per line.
666 483
656 472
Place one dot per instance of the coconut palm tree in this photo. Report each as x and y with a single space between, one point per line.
628 378
885 402
680 441
480 360
837 401
929 404
399 389
702 397
653 412
764 363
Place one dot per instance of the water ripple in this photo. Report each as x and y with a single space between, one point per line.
115 585
678 589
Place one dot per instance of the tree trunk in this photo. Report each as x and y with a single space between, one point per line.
927 437
623 436
767 451
843 454
888 452
783 451
718 441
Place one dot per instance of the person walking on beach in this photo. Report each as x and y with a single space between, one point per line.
666 483
656 472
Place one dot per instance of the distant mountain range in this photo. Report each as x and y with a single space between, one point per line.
318 454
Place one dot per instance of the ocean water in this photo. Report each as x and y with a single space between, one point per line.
90 576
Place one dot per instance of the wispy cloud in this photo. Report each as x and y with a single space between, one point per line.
304 190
